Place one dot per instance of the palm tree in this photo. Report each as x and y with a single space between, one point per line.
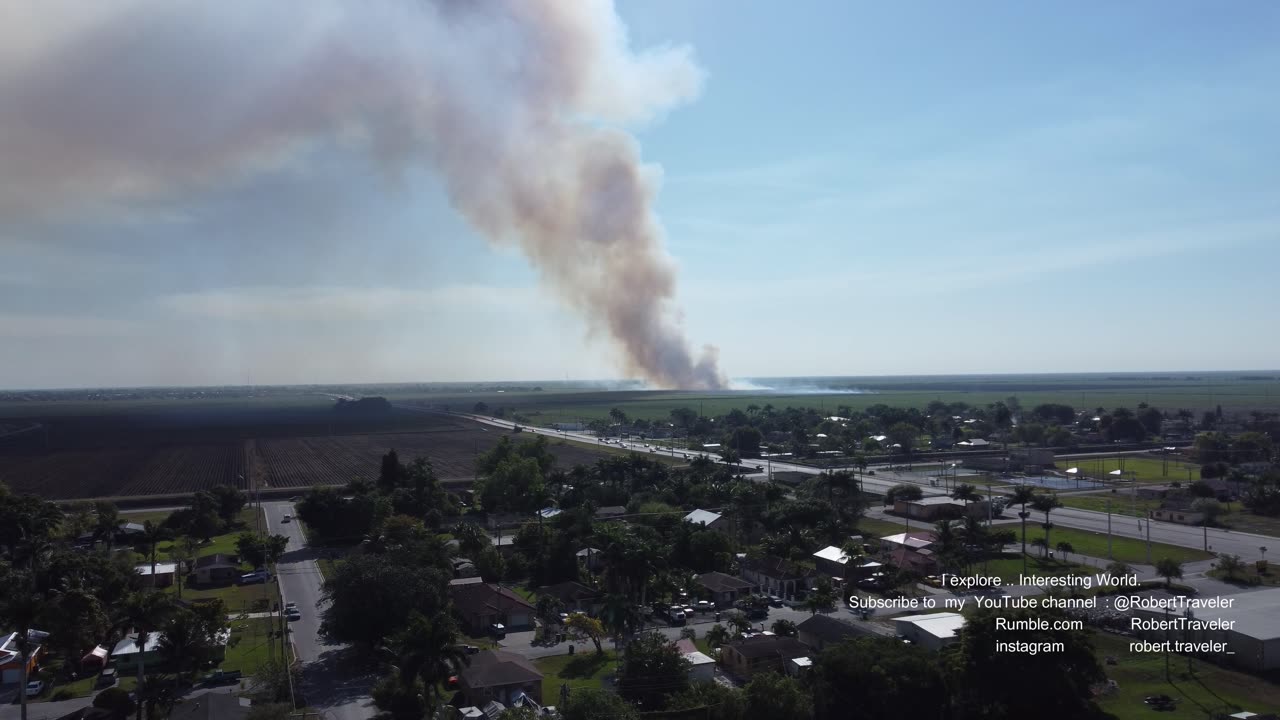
20 608
716 636
142 612
107 522
948 543
1065 548
1022 495
427 649
152 534
182 553
1046 504
966 493
181 639
1041 544
1168 568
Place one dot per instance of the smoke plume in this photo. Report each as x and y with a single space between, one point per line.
519 105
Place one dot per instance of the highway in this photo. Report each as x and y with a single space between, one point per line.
332 684
1247 545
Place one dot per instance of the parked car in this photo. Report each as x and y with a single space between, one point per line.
222 677
255 577
287 518
775 601
107 677
292 615
470 649
676 616
290 606
498 630
35 687
705 606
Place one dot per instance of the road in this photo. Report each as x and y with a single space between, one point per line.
331 682
1246 545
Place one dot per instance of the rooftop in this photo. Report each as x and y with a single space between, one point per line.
833 554
161 568
570 591
481 596
495 668
719 582
940 625
217 560
914 540
702 517
827 628
129 645
761 646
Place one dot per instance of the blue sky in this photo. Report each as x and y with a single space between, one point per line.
859 189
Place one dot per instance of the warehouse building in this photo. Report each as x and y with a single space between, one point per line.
933 631
1253 640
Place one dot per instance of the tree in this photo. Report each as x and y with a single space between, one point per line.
876 678
905 491
371 599
1046 504
1230 565
1210 507
584 626
652 668
261 550
1168 568
471 539
903 434
116 700
107 522
426 653
716 636
783 627
143 612
229 502
965 493
993 684
19 610
778 697
183 553
822 598
189 635
1065 548
715 701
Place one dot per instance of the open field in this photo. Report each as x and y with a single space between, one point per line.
584 669
174 450
1126 550
1200 694
1146 468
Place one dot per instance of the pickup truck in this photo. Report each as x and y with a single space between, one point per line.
222 677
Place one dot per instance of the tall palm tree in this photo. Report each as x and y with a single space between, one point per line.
143 612
20 608
1022 495
966 493
1046 503
182 638
427 649
151 535
107 522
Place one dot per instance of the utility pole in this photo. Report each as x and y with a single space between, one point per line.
1148 539
1109 555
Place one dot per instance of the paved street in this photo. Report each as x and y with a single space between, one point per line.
330 682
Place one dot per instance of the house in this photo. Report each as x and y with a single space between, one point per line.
610 512
211 706
575 596
1178 510
820 631
499 676
799 666
761 653
11 658
723 589
126 654
932 631
776 576
480 605
504 543
708 519
466 580
128 532
702 667
918 540
95 659
832 561
547 513
939 507
921 562
590 558
216 569
164 574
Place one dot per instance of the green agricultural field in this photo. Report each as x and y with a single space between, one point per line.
1126 550
1202 693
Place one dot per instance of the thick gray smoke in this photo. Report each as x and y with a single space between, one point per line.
520 106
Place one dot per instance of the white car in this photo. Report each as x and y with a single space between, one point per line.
35 687
287 518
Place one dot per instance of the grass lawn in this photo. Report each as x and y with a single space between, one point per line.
1147 469
1121 503
1126 550
582 670
1235 517
872 527
141 516
1201 694
250 645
